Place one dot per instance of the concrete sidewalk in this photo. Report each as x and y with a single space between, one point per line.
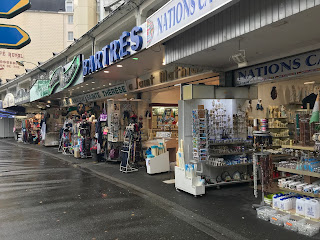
224 213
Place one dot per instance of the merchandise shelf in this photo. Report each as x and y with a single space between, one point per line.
229 154
298 147
282 137
299 172
235 165
229 143
299 192
227 183
278 118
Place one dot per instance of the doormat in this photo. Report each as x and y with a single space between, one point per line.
170 181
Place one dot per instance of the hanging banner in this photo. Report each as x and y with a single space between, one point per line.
282 68
8 100
96 95
176 15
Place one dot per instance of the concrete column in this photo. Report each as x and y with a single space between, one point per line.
140 17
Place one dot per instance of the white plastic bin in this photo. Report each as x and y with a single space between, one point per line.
308 227
292 223
278 218
265 212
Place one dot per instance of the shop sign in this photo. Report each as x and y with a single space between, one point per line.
59 79
55 77
39 90
71 71
22 96
94 96
8 100
282 68
179 14
163 76
128 44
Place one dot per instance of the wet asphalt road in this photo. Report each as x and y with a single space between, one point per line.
42 198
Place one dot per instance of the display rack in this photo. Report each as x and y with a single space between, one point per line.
279 129
261 161
200 137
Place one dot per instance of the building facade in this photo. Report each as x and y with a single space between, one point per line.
50 31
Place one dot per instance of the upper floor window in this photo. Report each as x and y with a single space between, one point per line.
70 36
69 5
70 19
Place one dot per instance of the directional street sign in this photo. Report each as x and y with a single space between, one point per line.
13 37
11 8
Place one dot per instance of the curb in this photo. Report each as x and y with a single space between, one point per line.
205 225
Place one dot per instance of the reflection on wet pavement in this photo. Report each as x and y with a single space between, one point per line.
43 198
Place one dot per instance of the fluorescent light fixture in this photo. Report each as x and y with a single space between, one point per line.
103 85
135 58
106 71
93 88
83 91
93 82
81 86
119 65
307 83
87 84
78 87
48 101
72 89
110 84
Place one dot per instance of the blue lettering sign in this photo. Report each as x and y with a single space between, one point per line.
92 67
160 25
274 68
124 44
113 52
106 51
201 6
296 63
85 67
136 39
98 60
308 60
179 13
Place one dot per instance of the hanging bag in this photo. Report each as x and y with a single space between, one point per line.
103 115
